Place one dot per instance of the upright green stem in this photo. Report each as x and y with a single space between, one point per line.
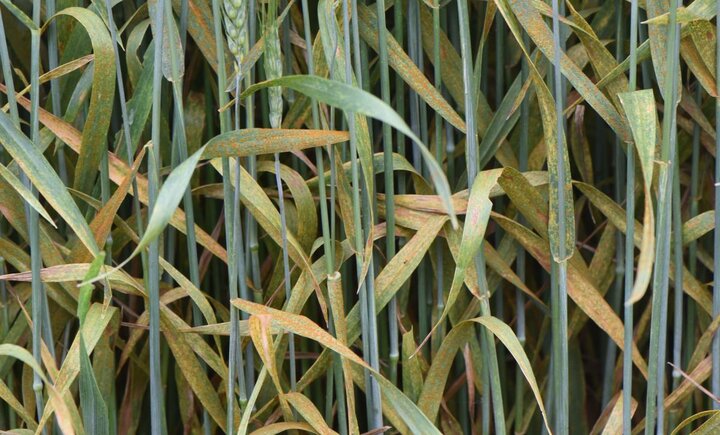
414 51
399 34
499 61
645 66
228 199
369 215
193 261
126 126
253 250
54 85
520 259
239 260
559 287
128 145
677 285
230 233
157 412
7 75
629 237
678 272
236 30
12 103
498 295
372 389
336 377
472 155
286 264
619 188
690 318
181 148
418 123
658 325
389 179
182 152
437 72
273 70
715 381
39 298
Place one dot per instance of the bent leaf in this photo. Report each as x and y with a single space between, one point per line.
300 325
45 179
640 110
352 99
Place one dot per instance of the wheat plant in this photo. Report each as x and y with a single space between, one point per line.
357 217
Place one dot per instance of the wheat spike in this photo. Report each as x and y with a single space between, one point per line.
273 64
235 18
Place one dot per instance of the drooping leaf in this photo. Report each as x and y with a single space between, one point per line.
429 401
169 197
26 194
580 290
640 110
302 326
404 66
45 179
101 101
476 220
538 31
616 215
197 378
352 99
